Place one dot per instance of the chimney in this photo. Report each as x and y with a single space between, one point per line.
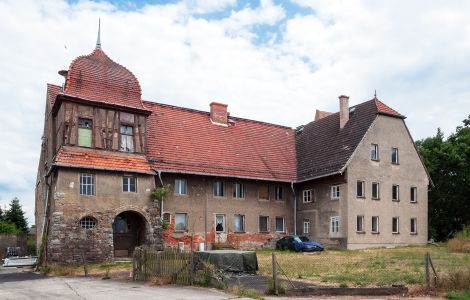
343 110
321 114
219 113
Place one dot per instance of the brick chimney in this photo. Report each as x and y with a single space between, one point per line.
343 110
219 113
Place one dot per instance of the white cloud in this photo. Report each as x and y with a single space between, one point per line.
414 53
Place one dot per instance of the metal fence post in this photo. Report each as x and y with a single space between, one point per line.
275 283
426 269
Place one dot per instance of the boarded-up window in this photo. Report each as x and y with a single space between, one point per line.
127 138
84 132
263 192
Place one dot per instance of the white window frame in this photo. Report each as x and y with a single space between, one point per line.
397 198
235 229
267 224
238 190
335 192
87 184
363 184
307 196
397 220
361 219
181 187
374 152
413 194
278 193
306 226
334 225
128 184
219 188
224 223
377 230
377 185
88 128
88 222
397 158
127 139
283 224
415 220
185 222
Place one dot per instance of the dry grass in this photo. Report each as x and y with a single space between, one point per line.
459 244
371 267
113 270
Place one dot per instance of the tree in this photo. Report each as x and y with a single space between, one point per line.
15 215
1 214
448 162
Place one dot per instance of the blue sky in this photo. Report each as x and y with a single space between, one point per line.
269 60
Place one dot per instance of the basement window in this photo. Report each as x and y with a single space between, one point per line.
127 138
129 184
88 223
85 132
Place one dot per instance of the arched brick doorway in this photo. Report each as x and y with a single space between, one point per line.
129 231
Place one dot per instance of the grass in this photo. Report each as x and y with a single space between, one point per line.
459 295
371 267
94 269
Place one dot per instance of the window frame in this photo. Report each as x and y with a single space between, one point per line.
334 224
218 186
185 222
129 184
178 187
307 196
376 197
397 187
374 149
88 223
396 223
164 219
235 190
279 190
397 157
224 223
306 222
82 185
362 229
242 223
267 190
335 192
377 230
413 194
127 135
363 187
267 224
81 128
283 224
415 220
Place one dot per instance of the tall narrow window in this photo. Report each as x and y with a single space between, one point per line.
279 193
375 224
360 223
219 188
129 184
414 194
263 192
263 224
334 192
167 218
279 224
85 127
181 221
181 187
239 223
87 184
375 190
395 225
334 224
414 226
220 223
127 138
307 196
238 190
306 226
396 193
374 152
360 189
395 156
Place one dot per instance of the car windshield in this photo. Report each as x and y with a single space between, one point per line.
304 239
297 239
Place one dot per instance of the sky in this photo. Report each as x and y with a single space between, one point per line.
269 60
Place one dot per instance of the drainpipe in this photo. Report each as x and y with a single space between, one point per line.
295 207
159 173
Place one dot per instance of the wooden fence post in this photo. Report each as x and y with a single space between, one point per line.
275 283
426 269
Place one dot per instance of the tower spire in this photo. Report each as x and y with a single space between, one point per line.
98 40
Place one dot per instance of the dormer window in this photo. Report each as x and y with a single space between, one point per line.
127 138
85 132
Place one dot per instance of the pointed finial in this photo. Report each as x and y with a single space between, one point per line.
98 40
375 93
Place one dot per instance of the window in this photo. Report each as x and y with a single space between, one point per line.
181 187
87 184
219 223
88 222
127 138
360 223
307 196
395 225
395 156
219 189
414 226
360 189
334 224
263 192
396 193
375 224
279 193
414 194
374 152
129 184
238 190
85 132
334 192
279 224
239 223
263 224
181 221
306 226
167 218
375 190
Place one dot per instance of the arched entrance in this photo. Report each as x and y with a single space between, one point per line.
129 231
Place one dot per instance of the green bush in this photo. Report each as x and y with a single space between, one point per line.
30 246
465 233
8 227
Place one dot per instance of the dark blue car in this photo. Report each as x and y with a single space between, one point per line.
298 243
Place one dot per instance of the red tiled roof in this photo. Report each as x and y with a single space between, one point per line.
384 109
103 160
97 77
184 140
52 92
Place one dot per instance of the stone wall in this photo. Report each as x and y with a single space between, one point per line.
12 240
